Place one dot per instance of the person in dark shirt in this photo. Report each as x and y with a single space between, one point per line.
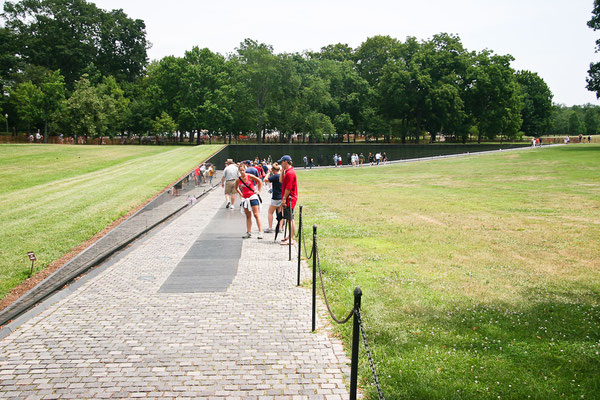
250 169
273 178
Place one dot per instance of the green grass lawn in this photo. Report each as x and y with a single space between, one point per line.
481 275
54 197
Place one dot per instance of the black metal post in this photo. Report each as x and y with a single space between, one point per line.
355 340
299 243
314 279
290 236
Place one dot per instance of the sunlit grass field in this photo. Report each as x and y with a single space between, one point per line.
480 275
54 197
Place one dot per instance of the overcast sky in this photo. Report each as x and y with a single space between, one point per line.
549 37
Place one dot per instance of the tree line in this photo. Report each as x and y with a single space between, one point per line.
69 67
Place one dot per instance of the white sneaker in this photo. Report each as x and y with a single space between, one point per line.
246 235
232 207
259 235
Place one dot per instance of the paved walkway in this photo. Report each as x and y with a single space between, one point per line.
120 336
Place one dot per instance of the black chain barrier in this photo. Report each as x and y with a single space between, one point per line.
358 328
350 314
369 355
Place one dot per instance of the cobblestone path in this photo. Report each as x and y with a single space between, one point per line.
117 336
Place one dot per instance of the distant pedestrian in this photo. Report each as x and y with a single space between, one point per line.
305 159
533 142
371 158
378 157
176 188
211 173
384 158
249 186
197 175
589 138
311 163
335 159
361 159
230 175
202 173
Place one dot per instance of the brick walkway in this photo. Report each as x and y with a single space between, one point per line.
117 336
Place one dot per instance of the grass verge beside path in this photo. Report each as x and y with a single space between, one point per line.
481 275
54 197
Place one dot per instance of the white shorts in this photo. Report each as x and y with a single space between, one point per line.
275 203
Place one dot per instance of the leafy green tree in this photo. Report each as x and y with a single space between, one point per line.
260 77
593 80
537 103
373 54
559 121
68 35
576 125
337 52
84 112
286 111
343 124
493 97
114 104
164 124
318 126
9 62
53 90
28 100
591 118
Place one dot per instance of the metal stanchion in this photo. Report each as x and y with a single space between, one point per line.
355 340
299 243
290 234
314 279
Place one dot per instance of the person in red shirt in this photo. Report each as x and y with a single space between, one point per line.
290 192
248 186
197 175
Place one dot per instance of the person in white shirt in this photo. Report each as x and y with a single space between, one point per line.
230 175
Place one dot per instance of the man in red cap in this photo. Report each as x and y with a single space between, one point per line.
290 193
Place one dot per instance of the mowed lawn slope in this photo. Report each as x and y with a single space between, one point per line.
55 197
481 275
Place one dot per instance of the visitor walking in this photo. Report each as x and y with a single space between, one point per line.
230 175
378 157
290 194
274 179
246 185
211 173
197 175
